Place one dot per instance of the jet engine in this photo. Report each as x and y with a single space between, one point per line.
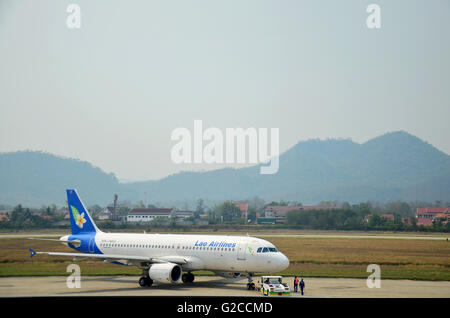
228 274
166 273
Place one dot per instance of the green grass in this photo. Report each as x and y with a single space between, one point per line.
309 257
428 272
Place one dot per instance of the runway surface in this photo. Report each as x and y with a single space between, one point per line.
215 286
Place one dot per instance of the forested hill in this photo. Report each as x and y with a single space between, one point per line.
395 166
390 167
36 178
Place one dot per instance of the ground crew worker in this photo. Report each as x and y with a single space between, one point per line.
295 284
302 285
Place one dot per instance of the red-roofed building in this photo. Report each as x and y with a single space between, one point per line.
444 217
244 209
426 216
425 222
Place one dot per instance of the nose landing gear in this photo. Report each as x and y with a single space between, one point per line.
250 284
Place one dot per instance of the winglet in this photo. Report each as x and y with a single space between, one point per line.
32 253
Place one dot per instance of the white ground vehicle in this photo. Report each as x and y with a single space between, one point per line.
273 285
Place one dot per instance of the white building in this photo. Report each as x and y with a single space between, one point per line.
148 215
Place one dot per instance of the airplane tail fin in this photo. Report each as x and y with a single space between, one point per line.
80 219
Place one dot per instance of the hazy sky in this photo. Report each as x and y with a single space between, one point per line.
112 92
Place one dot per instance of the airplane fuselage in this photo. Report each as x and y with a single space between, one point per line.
200 252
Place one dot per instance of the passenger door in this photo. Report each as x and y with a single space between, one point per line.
241 251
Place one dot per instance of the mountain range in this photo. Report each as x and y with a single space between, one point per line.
394 166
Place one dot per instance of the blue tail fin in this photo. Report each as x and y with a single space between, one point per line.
80 220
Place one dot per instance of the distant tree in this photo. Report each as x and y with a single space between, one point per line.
49 211
251 215
399 207
256 203
140 205
328 203
124 210
227 211
200 209
159 221
95 209
375 220
280 203
365 208
20 215
346 206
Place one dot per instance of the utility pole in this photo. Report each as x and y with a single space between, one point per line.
115 212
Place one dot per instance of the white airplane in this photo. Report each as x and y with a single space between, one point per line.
164 257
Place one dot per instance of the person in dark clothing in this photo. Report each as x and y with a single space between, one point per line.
295 284
302 285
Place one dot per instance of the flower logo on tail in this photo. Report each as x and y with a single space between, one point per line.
79 218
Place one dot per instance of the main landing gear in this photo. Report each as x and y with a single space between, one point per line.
187 278
145 280
250 284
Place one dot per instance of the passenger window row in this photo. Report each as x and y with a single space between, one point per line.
226 249
206 248
137 245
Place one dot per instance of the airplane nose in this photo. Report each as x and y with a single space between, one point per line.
283 262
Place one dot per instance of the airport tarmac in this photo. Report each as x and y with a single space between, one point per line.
216 286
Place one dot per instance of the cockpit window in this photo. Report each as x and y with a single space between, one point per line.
267 250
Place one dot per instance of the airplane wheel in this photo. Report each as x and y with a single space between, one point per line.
145 281
187 278
142 281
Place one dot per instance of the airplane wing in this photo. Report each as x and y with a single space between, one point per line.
109 257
